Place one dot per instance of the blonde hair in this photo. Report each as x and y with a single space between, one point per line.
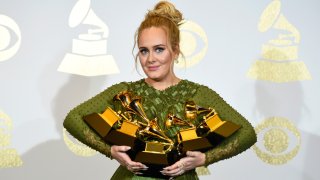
167 17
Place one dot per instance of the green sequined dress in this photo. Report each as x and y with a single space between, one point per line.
160 103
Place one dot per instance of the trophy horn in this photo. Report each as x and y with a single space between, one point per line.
124 97
153 130
192 110
174 120
135 107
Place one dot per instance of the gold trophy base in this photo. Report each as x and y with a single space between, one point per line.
119 138
102 123
126 135
199 144
153 158
154 153
222 128
190 141
156 162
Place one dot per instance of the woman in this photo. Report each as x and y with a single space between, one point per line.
158 39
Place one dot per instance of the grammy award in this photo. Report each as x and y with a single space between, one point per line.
208 133
211 127
127 133
188 140
129 125
157 147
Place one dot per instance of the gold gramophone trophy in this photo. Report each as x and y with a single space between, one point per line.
157 149
187 138
127 133
115 127
212 127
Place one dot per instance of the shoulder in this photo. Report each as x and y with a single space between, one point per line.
118 86
125 85
201 88
205 95
114 89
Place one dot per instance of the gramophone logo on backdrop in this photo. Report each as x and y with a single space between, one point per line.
8 156
89 51
279 56
8 48
193 52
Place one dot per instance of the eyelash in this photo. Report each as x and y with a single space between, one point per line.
157 50
143 51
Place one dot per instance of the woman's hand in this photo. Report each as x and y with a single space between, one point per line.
191 161
119 153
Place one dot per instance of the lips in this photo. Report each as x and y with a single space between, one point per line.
153 68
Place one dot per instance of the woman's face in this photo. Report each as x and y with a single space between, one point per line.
155 56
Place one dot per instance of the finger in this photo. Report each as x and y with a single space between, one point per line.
174 169
124 148
133 168
178 173
138 166
181 163
138 173
192 153
173 166
142 166
175 172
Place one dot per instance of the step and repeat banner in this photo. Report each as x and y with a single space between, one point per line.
262 57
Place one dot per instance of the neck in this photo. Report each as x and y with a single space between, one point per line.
162 84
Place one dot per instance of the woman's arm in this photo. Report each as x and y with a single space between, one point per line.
80 130
241 140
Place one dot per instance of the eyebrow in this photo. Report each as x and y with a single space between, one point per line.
158 45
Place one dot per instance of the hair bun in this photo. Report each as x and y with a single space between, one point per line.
167 10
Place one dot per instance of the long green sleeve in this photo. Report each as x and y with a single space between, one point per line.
80 130
158 104
243 139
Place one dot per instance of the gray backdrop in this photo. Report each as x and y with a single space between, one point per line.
37 97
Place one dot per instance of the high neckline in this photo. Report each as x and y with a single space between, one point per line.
163 90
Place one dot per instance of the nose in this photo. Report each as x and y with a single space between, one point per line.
150 58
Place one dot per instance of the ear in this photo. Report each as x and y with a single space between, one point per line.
176 51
